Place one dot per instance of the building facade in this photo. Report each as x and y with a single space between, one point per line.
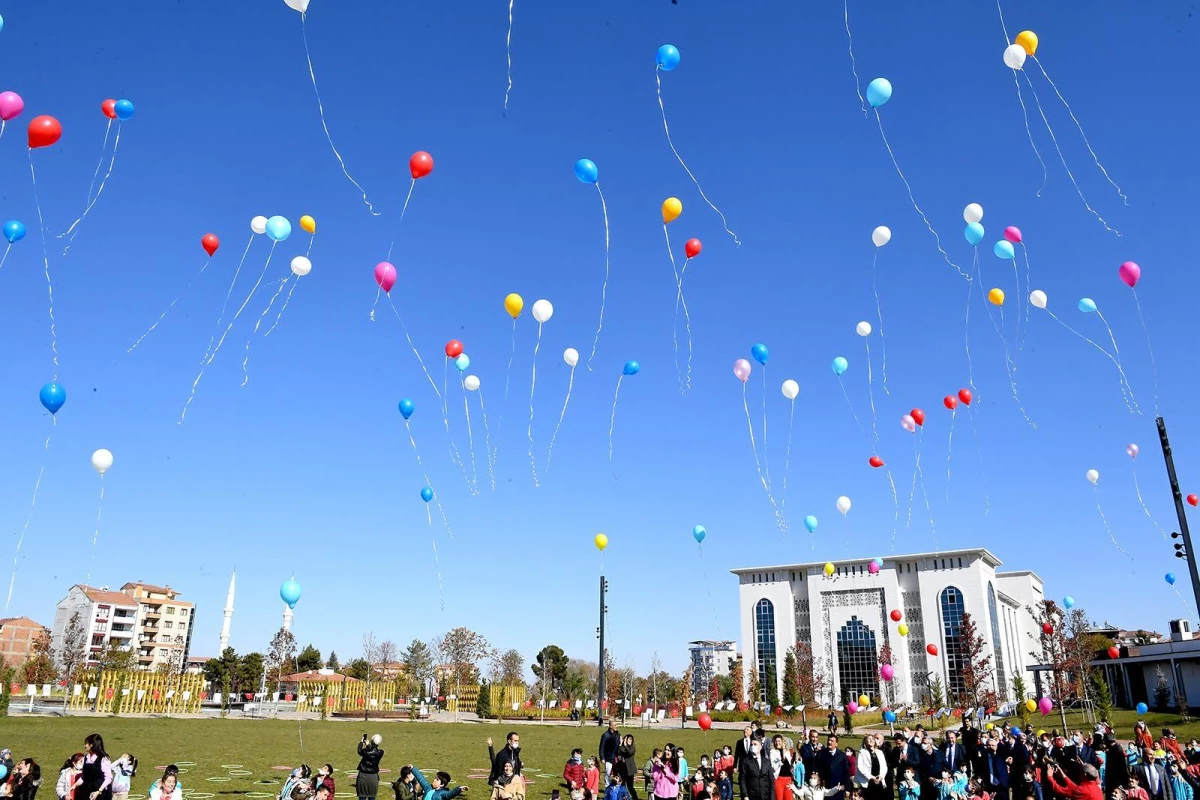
108 620
18 635
710 658
164 625
846 620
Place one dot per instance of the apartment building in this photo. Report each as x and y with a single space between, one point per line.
164 625
18 635
108 620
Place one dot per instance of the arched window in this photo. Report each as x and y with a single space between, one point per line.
1001 676
764 639
858 667
952 611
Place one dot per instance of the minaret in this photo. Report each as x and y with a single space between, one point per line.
287 618
228 614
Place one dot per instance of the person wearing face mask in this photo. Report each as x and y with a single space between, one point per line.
871 775
574 773
1153 777
834 769
510 753
810 751
755 776
1180 786
993 770
910 787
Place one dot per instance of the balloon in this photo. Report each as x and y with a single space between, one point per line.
297 5
996 296
1131 450
1069 602
1028 41
102 459
840 365
950 402
1013 234
704 721
671 209
210 243
965 396
571 356
123 109
829 568
601 541
863 700
875 461
14 231
974 233
631 368
513 304
698 533
759 353
863 328
1114 652
109 108
741 368
1047 628
1128 272
385 275
290 592
932 649
11 105
879 91
843 504
426 494
887 672
3 771
301 266
53 395
420 164
1142 708
1193 500
918 416
462 362
1037 298
881 236
667 57
889 717
877 562
278 228
587 171
258 224
1014 56
810 522
692 248
1087 305
471 382
1030 705
454 348
852 707
1093 475
44 131
873 568
908 423
1004 249
407 408
791 389
1045 705
902 629
1170 577
896 615
543 311
973 214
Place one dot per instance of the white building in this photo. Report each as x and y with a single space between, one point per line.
710 658
164 625
846 620
108 618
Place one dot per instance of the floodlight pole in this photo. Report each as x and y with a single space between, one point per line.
1180 513
600 687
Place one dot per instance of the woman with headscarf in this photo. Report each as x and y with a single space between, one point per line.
509 785
366 784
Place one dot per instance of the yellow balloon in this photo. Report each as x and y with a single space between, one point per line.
513 305
989 726
671 209
828 569
601 541
308 223
863 700
902 630
1028 40
996 297
1030 705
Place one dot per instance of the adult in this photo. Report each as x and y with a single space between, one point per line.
953 754
1116 766
810 751
893 752
95 779
1087 789
27 779
370 753
509 785
626 765
871 773
970 737
834 769
510 753
929 770
832 722
1153 777
783 766
993 770
610 741
755 777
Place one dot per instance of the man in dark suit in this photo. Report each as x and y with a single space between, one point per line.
929 770
992 769
834 770
970 737
756 780
894 752
1153 777
953 755
742 748
811 751
1116 766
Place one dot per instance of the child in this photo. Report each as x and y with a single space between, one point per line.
724 784
574 774
909 788
591 780
726 762
123 769
70 775
975 788
960 781
1135 791
437 789
683 765
405 787
648 772
813 789
616 789
167 789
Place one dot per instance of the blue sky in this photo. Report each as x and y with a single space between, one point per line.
307 469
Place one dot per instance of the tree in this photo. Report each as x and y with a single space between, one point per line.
810 682
1018 685
725 688
483 707
510 667
418 665
1066 647
73 652
754 691
937 699
551 667
356 668
463 649
772 687
653 679
685 688
974 666
1162 691
791 680
309 659
7 674
714 691
333 662
1102 697
216 670
40 666
250 672
738 678
281 654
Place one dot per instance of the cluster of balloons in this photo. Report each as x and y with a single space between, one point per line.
964 396
1024 46
973 216
117 109
912 420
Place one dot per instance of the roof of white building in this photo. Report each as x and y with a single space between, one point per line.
988 556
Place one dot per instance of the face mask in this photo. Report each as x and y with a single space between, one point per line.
814 782
577 759
755 750
515 746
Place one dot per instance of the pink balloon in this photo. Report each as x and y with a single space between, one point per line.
1130 273
852 707
385 275
908 423
1013 234
873 568
1131 450
11 105
887 672
1045 705
741 368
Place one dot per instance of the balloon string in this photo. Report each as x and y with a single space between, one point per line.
96 535
937 239
413 347
1029 134
378 291
71 233
895 506
1117 355
257 324
508 53
28 517
925 493
667 130
871 391
1142 503
950 452
46 264
766 450
1083 135
879 316
780 522
487 441
612 422
321 111
445 376
687 323
678 298
512 352
1008 362
987 500
437 567
473 486
850 46
1145 330
1104 519
1017 337
100 163
529 431
5 256
436 499
603 286
787 460
967 322
562 415
708 586
283 308
1038 103
148 331
853 413
1025 331
912 492
407 198
1127 397
229 293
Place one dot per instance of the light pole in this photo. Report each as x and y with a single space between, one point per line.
1185 552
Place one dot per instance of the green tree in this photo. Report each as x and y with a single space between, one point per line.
725 688
772 688
937 699
1162 690
550 666
1102 696
250 672
40 667
216 670
418 665
1018 687
333 662
281 656
483 707
309 659
7 674
791 680
357 668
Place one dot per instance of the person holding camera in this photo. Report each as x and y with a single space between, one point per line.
370 753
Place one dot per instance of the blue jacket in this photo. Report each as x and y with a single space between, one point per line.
432 793
616 791
726 787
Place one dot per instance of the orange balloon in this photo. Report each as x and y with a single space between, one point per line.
671 209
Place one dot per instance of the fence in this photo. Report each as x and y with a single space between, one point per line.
140 692
345 696
502 697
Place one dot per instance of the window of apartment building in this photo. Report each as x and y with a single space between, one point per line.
183 612
170 609
169 624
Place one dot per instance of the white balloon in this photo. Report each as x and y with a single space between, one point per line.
543 311
1014 56
101 460
908 423
472 383
259 224
791 389
843 504
881 235
1037 298
973 213
863 328
571 356
1093 476
298 5
301 266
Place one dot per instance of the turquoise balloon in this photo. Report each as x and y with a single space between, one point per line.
1087 305
840 365
427 494
1068 602
974 233
462 362
810 522
587 171
879 562
1170 576
1142 708
290 592
278 228
698 533
879 91
407 408
1004 249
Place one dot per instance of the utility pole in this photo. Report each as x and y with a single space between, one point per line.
600 630
1187 553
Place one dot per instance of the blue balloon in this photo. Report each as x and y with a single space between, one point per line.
1087 305
587 171
1 23
462 362
810 522
1004 249
14 231
407 408
879 91
53 395
698 533
889 717
1142 708
278 228
290 592
840 365
759 353
1170 576
123 109
667 57
1068 602
427 494
3 772
631 368
974 233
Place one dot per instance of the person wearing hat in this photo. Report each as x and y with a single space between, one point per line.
1153 776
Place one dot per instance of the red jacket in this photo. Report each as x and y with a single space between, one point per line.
1086 790
573 774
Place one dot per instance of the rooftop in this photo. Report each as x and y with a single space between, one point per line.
714 643
106 597
987 555
20 622
325 675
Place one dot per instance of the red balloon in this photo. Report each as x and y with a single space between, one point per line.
692 248
875 461
420 165
931 649
705 721
965 395
637 711
949 401
896 615
454 348
210 243
918 416
1047 628
1193 500
1114 652
44 131
109 107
